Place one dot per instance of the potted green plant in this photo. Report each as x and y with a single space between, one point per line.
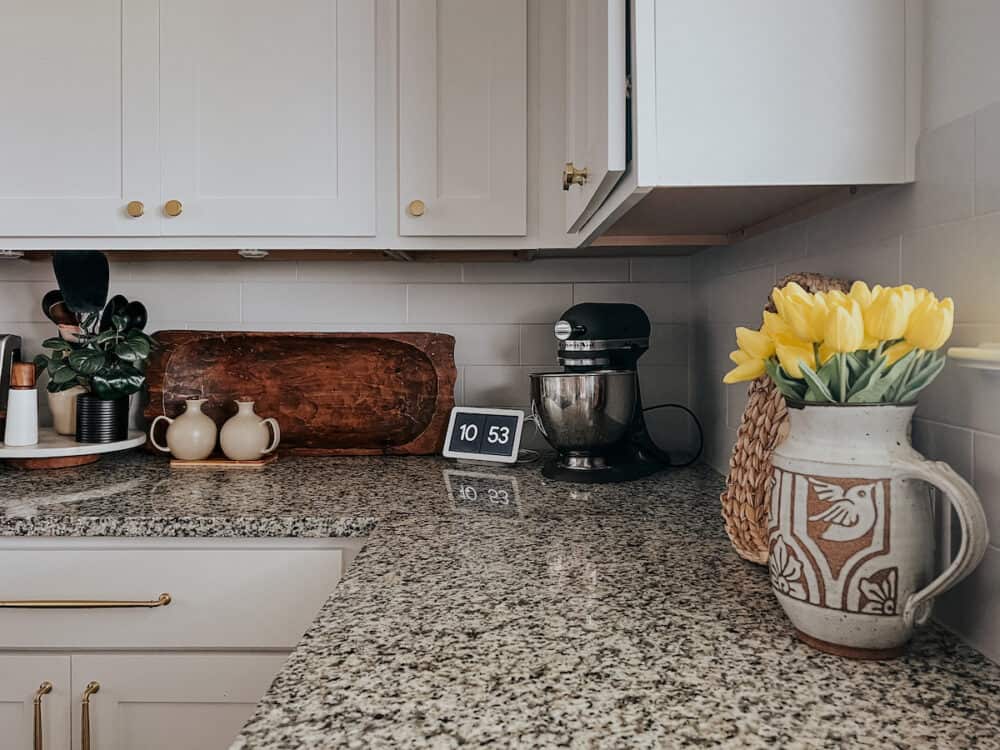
108 359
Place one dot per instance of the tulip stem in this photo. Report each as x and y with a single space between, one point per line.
842 359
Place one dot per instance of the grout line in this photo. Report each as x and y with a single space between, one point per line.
971 430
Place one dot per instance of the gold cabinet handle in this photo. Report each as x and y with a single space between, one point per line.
162 601
416 208
44 689
574 176
135 209
92 687
173 208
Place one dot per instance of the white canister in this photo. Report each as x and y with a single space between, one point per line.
22 406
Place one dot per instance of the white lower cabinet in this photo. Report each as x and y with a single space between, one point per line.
167 701
35 699
183 673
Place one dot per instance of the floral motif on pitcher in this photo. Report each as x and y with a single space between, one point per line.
827 536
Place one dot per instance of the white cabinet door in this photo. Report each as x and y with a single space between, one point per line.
596 103
463 117
21 676
267 117
169 701
77 117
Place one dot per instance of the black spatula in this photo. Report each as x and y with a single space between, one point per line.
83 279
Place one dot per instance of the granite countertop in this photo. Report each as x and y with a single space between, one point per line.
601 616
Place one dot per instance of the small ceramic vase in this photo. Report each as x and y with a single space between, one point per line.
62 406
851 528
245 437
190 437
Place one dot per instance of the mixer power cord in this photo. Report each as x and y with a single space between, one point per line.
697 424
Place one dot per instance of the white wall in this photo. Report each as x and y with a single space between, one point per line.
500 313
942 233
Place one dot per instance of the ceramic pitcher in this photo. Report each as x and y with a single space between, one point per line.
190 437
851 528
245 437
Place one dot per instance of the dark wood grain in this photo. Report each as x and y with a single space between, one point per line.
332 393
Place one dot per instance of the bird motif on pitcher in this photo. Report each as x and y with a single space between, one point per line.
851 513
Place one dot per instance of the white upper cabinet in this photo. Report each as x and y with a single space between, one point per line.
595 105
267 117
462 117
77 108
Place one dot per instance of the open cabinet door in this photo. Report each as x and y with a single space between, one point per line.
595 105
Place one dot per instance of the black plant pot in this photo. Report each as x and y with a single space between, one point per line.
100 421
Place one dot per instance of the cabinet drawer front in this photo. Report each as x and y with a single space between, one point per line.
226 596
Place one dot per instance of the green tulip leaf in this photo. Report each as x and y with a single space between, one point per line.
818 390
788 387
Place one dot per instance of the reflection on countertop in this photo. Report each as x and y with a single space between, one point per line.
492 606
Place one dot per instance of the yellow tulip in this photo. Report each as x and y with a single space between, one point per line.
825 353
806 315
791 352
756 344
887 315
896 352
861 293
845 328
748 369
775 326
931 323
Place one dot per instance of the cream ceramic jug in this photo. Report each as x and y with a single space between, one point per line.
190 437
245 437
851 528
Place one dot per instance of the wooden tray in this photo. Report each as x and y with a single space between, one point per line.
332 393
221 462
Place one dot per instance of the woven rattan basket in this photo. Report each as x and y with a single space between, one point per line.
764 423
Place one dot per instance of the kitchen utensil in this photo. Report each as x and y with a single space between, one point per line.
190 437
10 352
591 412
55 309
332 393
83 279
245 436
21 427
54 451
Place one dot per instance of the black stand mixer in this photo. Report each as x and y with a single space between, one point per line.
592 411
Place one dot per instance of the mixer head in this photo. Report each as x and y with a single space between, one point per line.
599 335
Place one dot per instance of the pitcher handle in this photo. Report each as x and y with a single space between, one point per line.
277 434
152 430
975 533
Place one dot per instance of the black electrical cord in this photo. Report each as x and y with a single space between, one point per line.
697 424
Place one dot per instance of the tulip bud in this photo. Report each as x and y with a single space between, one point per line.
792 353
887 316
756 344
845 328
896 352
931 323
861 293
749 369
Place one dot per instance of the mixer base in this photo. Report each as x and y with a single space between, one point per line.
607 474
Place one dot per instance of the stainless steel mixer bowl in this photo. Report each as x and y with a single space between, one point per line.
584 413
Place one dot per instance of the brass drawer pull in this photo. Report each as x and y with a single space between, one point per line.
162 601
43 689
92 687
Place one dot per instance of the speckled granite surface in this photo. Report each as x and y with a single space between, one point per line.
572 617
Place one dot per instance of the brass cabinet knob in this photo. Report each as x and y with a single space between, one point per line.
135 209
416 208
573 176
173 208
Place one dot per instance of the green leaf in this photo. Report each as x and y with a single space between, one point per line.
788 387
119 322
105 336
62 375
125 351
87 361
829 373
57 344
140 342
922 379
857 363
873 370
115 383
818 390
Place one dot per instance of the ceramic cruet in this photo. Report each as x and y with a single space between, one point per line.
190 437
245 437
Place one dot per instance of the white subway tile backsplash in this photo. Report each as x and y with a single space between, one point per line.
661 269
323 303
548 271
972 608
387 271
987 479
663 303
178 300
988 160
538 345
21 301
507 387
941 442
875 263
26 270
489 303
739 298
668 345
945 175
203 271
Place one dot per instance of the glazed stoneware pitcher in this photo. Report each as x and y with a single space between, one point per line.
245 437
190 437
851 528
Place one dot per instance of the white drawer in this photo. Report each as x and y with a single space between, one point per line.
224 593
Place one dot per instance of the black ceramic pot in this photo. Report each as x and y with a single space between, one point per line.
99 421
